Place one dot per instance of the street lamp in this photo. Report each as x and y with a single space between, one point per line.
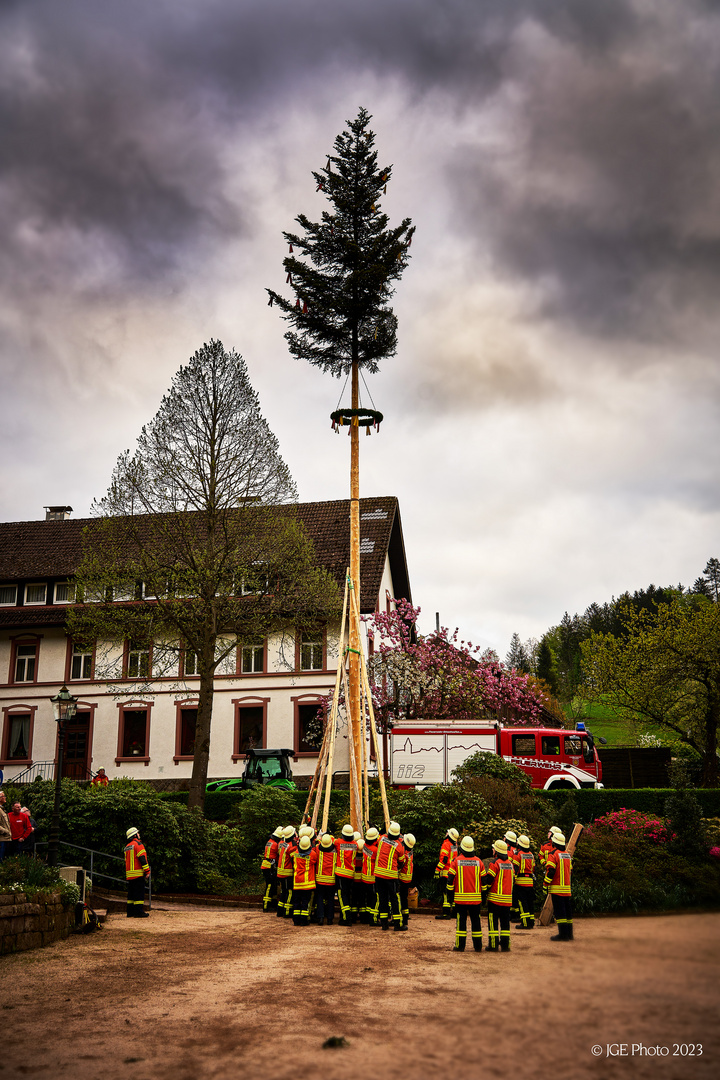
64 708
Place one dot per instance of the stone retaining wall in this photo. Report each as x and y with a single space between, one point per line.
28 925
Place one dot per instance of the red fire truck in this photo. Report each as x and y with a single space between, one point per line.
426 752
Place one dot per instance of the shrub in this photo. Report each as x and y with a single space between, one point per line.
483 764
633 824
21 873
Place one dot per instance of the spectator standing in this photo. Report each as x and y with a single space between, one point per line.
20 828
31 841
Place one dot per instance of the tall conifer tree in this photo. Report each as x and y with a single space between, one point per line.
342 268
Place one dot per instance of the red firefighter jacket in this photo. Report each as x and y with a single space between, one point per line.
406 871
448 850
284 864
544 852
465 878
558 871
390 857
524 863
136 861
325 874
345 862
270 854
499 878
368 868
304 864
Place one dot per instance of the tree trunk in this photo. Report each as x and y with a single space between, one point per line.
198 781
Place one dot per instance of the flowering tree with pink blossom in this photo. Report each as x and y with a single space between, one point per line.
438 676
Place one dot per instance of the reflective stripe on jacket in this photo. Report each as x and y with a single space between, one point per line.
346 852
270 854
465 878
368 867
304 864
406 871
285 866
524 863
136 861
390 857
558 872
500 875
448 851
325 873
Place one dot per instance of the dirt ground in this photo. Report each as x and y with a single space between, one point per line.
195 993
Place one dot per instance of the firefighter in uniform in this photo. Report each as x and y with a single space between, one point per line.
558 871
466 873
369 911
305 860
499 887
286 846
547 847
510 839
448 850
389 860
356 893
325 881
268 867
346 850
137 868
524 889
405 877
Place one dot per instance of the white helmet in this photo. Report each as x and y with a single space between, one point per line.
348 832
360 843
371 834
393 829
305 843
524 842
288 831
278 832
409 840
559 839
357 835
500 846
511 836
130 833
306 830
553 830
454 835
326 841
467 844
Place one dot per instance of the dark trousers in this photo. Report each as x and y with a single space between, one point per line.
498 927
344 891
302 899
462 912
524 901
389 898
135 896
370 903
269 898
325 903
284 909
562 909
403 890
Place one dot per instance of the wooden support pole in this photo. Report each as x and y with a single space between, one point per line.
547 909
332 726
353 700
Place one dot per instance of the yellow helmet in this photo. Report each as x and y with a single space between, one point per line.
500 846
467 844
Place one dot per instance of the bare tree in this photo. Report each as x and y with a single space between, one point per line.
197 543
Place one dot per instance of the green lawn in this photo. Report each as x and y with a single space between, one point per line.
603 721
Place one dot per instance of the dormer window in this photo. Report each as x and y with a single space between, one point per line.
64 592
36 593
8 595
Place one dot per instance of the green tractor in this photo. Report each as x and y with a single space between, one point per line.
271 768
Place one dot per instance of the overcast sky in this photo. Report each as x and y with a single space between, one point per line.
552 412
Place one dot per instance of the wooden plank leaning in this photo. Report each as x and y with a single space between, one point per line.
547 909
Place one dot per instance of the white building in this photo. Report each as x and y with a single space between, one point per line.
266 697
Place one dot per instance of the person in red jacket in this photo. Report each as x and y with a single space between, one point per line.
369 912
325 881
390 859
137 869
499 886
405 877
305 860
524 890
448 851
558 872
268 867
286 846
466 874
100 779
20 828
346 850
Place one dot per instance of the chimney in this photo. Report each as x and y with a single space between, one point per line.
57 513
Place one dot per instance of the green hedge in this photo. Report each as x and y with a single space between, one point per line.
221 805
592 803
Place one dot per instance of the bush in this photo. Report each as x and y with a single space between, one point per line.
592 803
21 873
483 764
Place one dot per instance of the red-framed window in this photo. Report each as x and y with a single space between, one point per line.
252 657
24 657
189 662
311 650
138 660
307 726
185 727
134 731
250 729
79 663
17 734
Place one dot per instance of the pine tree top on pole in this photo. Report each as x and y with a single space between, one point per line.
341 269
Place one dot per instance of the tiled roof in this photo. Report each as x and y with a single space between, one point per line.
42 550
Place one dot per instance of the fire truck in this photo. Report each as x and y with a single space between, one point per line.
426 752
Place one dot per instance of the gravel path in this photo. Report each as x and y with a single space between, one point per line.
195 993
